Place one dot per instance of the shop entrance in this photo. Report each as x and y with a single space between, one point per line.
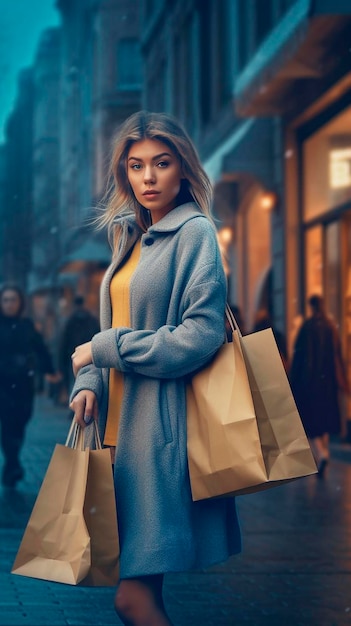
346 310
328 273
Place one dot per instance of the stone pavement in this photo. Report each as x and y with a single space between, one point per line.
295 568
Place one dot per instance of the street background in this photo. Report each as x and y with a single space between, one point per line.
295 568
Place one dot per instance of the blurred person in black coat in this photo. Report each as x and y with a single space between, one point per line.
317 373
23 354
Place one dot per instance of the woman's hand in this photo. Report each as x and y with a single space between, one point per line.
85 407
81 356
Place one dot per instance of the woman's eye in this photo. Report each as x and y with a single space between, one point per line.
163 164
136 166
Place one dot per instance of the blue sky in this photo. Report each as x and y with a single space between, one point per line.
21 24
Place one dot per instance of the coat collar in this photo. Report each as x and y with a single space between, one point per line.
176 218
170 223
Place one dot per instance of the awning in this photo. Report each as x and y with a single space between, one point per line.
89 251
67 279
253 156
297 48
40 284
214 164
330 7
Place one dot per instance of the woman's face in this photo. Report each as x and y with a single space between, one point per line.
10 303
154 174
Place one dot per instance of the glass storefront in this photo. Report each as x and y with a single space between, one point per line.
326 222
326 210
327 167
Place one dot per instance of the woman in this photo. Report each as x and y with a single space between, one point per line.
162 318
317 374
22 351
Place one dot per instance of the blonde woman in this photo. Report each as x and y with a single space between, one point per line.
162 317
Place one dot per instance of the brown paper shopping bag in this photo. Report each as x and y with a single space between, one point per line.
224 450
285 447
101 520
71 536
244 431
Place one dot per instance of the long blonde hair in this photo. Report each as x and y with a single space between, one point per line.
195 184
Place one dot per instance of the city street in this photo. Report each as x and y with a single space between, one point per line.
295 568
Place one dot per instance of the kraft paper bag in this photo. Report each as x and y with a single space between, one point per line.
223 442
244 431
72 536
285 447
101 520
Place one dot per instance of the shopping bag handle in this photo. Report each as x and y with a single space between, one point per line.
75 437
231 320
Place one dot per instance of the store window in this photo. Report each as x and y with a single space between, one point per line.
327 167
206 51
326 215
225 54
129 64
346 301
314 260
324 262
244 32
263 20
258 259
333 271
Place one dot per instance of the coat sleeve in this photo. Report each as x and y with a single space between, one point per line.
88 377
172 351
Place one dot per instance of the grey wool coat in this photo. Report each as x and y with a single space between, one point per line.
177 300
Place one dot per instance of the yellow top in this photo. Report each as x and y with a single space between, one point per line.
119 293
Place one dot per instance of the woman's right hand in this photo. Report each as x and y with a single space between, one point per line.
85 407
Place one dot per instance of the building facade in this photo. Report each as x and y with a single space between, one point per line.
263 88
250 80
100 86
17 205
193 53
85 79
302 78
45 233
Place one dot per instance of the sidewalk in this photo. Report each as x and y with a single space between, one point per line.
341 451
295 569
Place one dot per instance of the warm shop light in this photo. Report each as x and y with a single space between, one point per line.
340 168
268 201
225 235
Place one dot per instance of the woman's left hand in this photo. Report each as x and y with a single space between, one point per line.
81 356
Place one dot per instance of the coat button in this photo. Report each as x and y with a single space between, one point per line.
149 241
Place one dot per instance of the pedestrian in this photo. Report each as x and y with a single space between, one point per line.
23 354
79 328
162 317
317 373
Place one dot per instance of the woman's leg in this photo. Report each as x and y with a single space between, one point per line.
317 448
13 429
139 602
326 443
320 450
